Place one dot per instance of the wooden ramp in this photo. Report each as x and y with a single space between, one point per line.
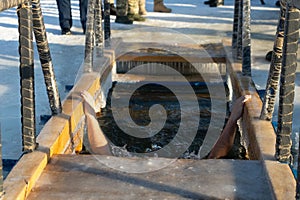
85 177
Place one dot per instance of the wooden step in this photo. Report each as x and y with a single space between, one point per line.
85 177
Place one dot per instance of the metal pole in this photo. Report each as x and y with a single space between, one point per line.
275 68
246 67
287 84
240 31
45 58
90 37
235 26
99 42
27 77
107 32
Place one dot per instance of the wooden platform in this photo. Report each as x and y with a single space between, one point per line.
85 177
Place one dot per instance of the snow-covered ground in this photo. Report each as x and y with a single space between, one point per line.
190 20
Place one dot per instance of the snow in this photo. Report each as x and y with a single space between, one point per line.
190 20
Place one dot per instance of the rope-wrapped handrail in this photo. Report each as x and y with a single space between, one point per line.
45 58
287 84
283 67
240 30
94 32
246 41
107 31
27 77
275 69
7 4
89 37
241 36
235 27
99 39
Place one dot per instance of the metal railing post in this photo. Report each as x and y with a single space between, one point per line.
90 37
235 27
287 84
45 58
239 48
275 69
246 41
107 32
27 77
99 41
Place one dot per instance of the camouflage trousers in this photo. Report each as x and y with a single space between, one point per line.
133 6
125 7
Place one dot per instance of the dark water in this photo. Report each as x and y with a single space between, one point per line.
7 165
140 102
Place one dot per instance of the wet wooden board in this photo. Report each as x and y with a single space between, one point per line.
85 177
174 53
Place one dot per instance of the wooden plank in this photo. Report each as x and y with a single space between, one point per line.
54 138
143 57
84 177
25 173
261 134
155 52
128 78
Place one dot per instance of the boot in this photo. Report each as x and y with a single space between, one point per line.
136 17
160 7
113 10
208 2
217 3
123 20
142 9
269 56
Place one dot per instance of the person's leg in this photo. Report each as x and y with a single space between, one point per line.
122 10
226 139
160 7
214 3
83 6
113 9
97 139
133 11
142 7
65 16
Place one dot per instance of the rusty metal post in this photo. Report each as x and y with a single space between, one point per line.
27 77
90 37
45 58
107 32
287 84
275 68
246 41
